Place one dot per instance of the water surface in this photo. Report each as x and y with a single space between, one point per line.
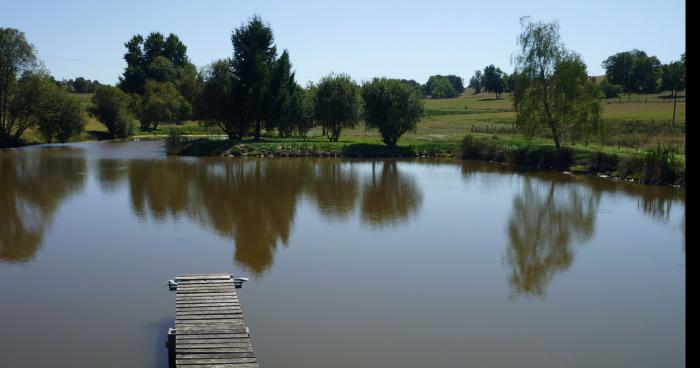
352 263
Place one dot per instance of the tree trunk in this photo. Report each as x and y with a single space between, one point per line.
556 139
675 97
550 121
257 130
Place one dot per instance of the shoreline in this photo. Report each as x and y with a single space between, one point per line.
203 146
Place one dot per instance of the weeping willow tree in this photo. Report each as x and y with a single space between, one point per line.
552 89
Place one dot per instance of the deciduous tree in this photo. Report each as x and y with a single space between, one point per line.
552 89
337 104
392 107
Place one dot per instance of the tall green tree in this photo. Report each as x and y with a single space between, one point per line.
218 103
286 107
254 58
457 83
552 89
159 58
17 58
337 104
493 81
439 86
475 82
392 107
634 70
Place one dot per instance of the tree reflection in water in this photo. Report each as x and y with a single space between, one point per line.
254 201
389 197
547 218
33 184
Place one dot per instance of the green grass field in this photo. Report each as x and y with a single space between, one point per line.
641 123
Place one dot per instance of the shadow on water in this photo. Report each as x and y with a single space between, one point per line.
552 211
32 187
160 329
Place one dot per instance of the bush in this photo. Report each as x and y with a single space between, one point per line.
175 142
111 106
603 162
543 157
661 166
472 148
610 90
60 116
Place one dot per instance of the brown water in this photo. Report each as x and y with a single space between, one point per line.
352 263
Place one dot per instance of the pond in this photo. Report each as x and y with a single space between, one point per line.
352 263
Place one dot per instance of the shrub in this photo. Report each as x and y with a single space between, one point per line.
543 157
175 142
60 116
603 162
111 108
661 166
472 148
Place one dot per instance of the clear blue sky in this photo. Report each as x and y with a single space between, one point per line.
403 39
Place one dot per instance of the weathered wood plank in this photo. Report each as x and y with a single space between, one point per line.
210 313
205 308
215 361
244 365
211 341
209 276
193 283
183 311
238 354
210 336
209 327
187 348
207 296
190 306
218 290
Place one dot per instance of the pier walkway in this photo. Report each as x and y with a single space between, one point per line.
209 328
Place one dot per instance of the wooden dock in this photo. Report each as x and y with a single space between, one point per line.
209 328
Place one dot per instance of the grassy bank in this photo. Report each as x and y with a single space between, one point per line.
661 165
636 127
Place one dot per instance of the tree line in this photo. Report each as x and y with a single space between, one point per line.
30 97
79 85
255 90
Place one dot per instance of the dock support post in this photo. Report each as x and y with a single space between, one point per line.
170 344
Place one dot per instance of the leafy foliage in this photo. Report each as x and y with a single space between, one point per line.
552 88
439 86
493 81
162 103
111 107
392 107
634 70
610 90
60 116
254 58
673 75
17 59
337 104
475 82
163 60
